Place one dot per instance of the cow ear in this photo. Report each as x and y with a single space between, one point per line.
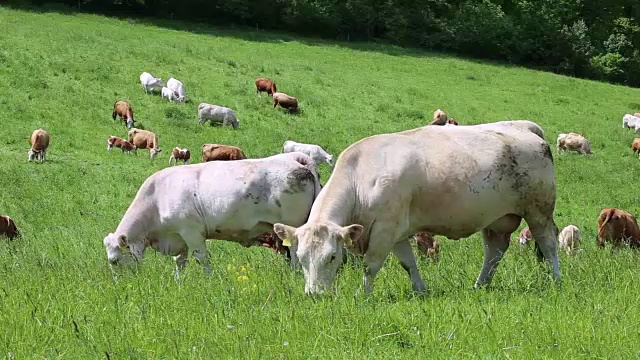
122 240
286 233
351 234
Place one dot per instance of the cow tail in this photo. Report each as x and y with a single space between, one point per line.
601 228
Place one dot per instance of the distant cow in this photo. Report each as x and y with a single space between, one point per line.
525 237
123 144
631 122
427 245
217 113
318 154
636 114
569 238
215 152
39 141
180 154
169 94
267 85
8 227
453 121
285 101
574 142
176 86
144 139
124 111
618 227
150 83
635 146
439 118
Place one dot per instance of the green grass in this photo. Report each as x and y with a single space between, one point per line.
58 298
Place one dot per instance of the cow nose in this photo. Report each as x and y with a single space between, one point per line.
113 261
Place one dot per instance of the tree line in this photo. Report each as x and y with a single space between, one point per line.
596 39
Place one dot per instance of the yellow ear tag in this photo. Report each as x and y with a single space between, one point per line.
286 242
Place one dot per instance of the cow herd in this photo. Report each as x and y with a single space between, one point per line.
384 190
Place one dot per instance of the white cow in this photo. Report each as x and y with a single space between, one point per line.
631 122
169 94
218 114
176 86
178 208
316 152
445 180
150 83
569 238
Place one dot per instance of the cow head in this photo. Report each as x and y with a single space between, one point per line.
330 160
318 248
120 250
154 152
32 154
130 123
110 142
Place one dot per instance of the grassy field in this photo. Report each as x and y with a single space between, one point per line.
58 298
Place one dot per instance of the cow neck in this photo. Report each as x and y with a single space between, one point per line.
133 225
334 204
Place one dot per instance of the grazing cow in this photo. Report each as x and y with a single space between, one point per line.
178 208
427 245
180 154
525 237
144 139
618 227
631 122
39 141
169 94
452 121
217 113
439 118
8 227
285 101
267 85
569 238
635 146
124 111
316 152
574 142
445 180
176 86
217 152
150 83
123 144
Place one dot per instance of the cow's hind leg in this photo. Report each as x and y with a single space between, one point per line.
404 253
545 234
495 245
198 247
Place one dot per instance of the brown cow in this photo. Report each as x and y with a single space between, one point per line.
285 101
635 146
439 118
8 227
211 152
124 111
144 139
264 84
636 114
427 245
180 154
39 141
618 227
123 144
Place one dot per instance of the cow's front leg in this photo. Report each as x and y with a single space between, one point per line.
181 262
404 253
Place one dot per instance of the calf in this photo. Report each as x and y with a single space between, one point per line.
635 146
267 85
124 111
8 227
169 94
569 238
574 142
213 152
427 245
525 236
39 141
144 139
176 86
285 101
618 227
123 144
439 118
180 154
316 152
150 83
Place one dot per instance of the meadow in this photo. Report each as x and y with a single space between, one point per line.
63 71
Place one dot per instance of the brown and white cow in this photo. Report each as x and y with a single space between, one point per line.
122 144
124 111
618 227
525 236
180 154
439 118
211 152
39 141
145 139
285 101
427 245
8 227
267 85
